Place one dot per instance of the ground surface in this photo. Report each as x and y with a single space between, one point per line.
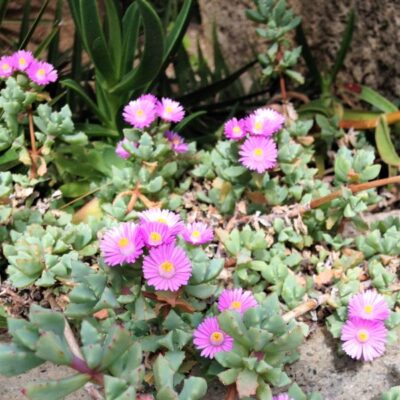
319 369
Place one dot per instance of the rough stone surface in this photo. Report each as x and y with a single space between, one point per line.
320 369
373 58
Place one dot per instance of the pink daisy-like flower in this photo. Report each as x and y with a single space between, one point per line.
22 60
122 244
235 129
149 97
141 112
282 396
364 339
264 122
120 151
167 267
156 233
169 218
237 300
211 339
197 233
6 66
369 305
41 72
177 142
170 110
258 154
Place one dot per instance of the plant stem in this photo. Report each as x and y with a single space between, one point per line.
304 308
355 188
34 152
283 88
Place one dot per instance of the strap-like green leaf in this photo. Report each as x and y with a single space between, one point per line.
375 99
94 40
114 34
152 58
130 33
69 83
384 143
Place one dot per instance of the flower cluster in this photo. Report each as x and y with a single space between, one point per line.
165 266
258 152
144 111
208 336
39 72
364 334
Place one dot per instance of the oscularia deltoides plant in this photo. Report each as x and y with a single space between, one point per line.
258 152
364 334
153 241
147 113
39 72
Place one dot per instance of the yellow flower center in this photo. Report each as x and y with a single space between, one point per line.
155 237
162 220
41 72
368 309
235 305
237 129
258 152
140 113
5 67
22 62
362 335
196 234
167 266
168 109
123 242
217 338
176 141
258 125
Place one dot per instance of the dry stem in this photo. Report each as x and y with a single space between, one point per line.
304 308
34 152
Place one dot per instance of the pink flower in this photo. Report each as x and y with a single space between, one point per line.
364 339
172 220
22 60
141 112
282 396
6 66
167 267
236 299
258 154
120 151
177 142
122 244
264 122
41 72
149 97
170 110
369 305
211 339
197 233
235 129
156 233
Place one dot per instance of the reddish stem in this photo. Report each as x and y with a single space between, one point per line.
79 365
34 152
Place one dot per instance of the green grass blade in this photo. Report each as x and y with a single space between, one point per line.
26 12
46 42
344 46
3 9
32 29
307 55
214 88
